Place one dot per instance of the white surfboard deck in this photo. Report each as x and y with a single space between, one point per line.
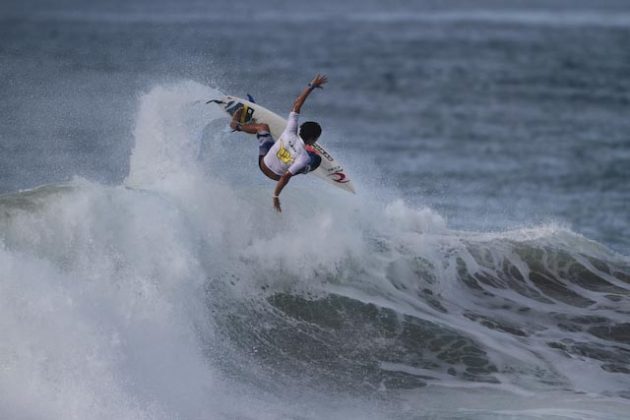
329 170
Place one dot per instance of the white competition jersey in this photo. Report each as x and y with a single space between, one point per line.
288 152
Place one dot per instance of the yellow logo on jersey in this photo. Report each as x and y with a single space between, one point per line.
284 156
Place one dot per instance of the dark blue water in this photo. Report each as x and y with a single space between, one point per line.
485 252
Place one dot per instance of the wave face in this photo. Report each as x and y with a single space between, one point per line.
182 294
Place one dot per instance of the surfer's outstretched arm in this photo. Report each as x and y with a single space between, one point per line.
282 182
317 82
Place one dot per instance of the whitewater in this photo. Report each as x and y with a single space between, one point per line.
182 294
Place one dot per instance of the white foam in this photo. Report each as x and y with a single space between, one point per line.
103 303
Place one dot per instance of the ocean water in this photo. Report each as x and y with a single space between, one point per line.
481 271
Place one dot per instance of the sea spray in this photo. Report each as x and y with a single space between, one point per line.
182 294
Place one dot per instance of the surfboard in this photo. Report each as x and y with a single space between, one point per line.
330 169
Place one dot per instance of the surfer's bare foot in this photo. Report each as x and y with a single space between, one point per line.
236 117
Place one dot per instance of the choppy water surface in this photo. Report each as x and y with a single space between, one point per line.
480 272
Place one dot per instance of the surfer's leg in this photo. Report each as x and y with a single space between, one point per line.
250 127
265 144
265 141
236 118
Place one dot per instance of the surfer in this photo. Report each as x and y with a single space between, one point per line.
292 154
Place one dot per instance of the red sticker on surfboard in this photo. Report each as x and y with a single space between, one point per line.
339 177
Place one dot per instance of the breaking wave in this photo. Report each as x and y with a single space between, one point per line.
182 294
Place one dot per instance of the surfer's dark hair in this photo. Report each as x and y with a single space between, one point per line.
310 130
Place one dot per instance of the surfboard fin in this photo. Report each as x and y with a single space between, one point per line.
251 99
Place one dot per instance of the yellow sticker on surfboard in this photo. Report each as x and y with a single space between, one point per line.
246 114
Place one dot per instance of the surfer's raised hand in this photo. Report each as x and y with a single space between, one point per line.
318 81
